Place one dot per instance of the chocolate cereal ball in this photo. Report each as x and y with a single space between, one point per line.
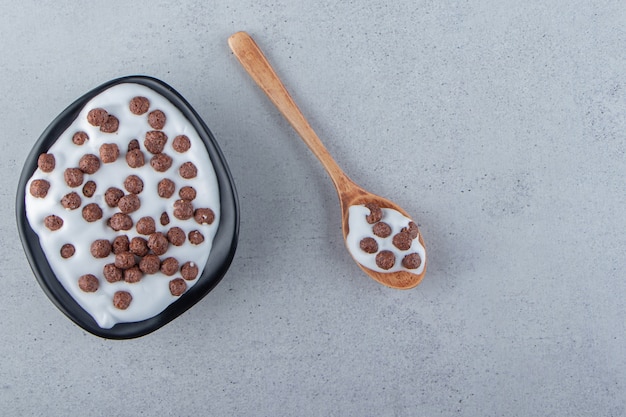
109 152
183 209
110 124
112 273
112 196
166 188
368 245
46 162
385 259
169 266
412 230
189 271
122 299
133 144
139 246
402 241
89 189
195 237
150 264
139 105
133 275
67 251
375 213
133 184
89 163
155 141
71 201
53 222
135 159
120 244
146 226
177 286
124 260
100 248
187 193
88 283
188 170
164 219
181 144
73 177
176 236
92 212
120 221
97 116
156 119
412 261
129 203
158 243
204 216
39 188
161 162
80 138
382 229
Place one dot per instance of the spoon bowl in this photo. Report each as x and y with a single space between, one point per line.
349 193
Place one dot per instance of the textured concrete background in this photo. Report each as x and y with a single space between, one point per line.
500 125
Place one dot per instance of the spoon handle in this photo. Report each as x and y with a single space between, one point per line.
255 63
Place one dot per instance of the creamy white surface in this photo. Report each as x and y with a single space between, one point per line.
360 228
151 295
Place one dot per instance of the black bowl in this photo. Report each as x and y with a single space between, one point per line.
224 243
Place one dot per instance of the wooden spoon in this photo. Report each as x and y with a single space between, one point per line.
350 194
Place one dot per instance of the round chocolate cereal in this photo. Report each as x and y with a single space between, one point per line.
368 245
145 226
112 273
412 230
67 251
71 201
176 236
156 119
195 237
97 116
150 264
92 212
89 163
385 259
183 209
133 144
382 229
204 216
135 158
133 184
161 162
89 189
120 244
375 213
129 203
166 188
139 105
80 138
189 271
187 193
402 241
73 177
120 221
133 275
178 286
181 143
158 243
169 266
112 196
124 260
39 188
122 299
100 248
110 124
53 222
412 261
155 141
188 170
88 283
46 162
109 152
139 246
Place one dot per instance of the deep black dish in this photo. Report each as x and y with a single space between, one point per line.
224 244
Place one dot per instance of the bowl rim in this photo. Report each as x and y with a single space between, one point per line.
224 242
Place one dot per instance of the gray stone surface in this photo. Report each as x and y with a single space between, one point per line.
500 125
